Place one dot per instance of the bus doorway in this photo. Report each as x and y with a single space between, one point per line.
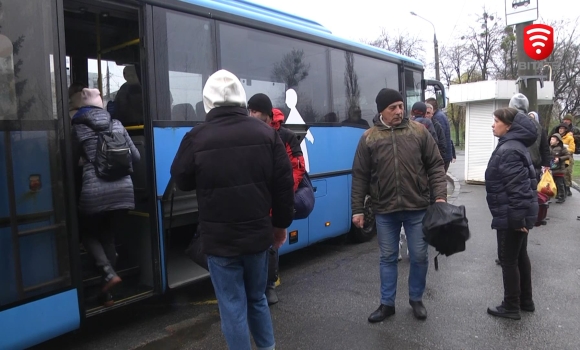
103 52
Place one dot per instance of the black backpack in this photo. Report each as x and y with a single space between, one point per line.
113 158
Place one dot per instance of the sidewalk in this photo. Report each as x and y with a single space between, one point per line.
553 251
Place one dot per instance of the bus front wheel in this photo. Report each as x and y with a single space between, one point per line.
369 229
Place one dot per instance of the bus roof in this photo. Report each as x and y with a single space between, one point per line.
247 9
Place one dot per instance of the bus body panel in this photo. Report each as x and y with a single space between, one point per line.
167 141
330 217
34 210
35 322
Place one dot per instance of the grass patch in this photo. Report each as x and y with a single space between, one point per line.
576 170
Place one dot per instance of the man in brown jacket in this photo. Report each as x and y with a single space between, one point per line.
397 162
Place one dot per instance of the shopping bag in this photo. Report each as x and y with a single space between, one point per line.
547 185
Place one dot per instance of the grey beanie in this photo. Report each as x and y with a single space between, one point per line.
520 102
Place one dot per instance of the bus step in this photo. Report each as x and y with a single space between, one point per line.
97 279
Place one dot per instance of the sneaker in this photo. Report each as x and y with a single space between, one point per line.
271 295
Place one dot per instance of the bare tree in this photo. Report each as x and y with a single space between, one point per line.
565 64
484 41
291 69
402 43
352 89
458 67
506 65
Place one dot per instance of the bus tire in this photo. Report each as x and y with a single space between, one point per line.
369 230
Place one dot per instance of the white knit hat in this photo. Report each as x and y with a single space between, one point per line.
223 89
92 97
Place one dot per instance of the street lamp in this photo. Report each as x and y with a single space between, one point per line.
435 43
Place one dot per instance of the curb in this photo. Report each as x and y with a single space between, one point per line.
575 186
456 188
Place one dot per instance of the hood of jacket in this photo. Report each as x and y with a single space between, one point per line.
223 89
277 118
522 129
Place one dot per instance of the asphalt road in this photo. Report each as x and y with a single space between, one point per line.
328 291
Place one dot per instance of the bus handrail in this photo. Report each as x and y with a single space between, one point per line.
135 127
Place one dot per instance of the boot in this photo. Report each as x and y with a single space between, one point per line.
560 199
106 299
568 192
110 278
502 311
381 313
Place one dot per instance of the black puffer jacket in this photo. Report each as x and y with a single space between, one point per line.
98 195
510 178
240 169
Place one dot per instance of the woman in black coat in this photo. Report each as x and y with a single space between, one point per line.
510 182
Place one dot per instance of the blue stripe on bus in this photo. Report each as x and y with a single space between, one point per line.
292 22
39 321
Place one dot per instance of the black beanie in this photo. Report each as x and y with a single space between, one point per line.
260 103
386 97
419 109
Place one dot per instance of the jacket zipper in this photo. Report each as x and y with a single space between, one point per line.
396 166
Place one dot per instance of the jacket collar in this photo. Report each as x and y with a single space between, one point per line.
226 111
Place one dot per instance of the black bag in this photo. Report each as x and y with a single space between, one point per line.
113 159
304 198
195 250
445 227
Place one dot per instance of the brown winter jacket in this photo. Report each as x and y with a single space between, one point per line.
397 166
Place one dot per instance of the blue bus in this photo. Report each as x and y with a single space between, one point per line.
48 283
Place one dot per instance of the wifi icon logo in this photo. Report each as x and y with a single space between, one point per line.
538 41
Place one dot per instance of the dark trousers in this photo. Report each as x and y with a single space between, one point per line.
446 165
98 236
515 267
561 186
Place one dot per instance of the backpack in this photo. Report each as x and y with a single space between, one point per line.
113 158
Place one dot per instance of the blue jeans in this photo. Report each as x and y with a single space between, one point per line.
388 232
239 284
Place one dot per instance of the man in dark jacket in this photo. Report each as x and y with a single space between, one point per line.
260 106
398 163
418 112
241 172
441 118
441 144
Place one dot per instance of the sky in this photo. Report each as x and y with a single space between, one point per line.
451 18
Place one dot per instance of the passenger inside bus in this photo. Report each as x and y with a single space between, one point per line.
128 107
355 117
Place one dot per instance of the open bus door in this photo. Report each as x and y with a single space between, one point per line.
439 90
39 286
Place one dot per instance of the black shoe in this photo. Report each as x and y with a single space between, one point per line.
568 192
501 311
381 313
419 310
497 261
271 295
527 306
560 200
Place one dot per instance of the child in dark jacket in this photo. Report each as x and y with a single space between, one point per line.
559 155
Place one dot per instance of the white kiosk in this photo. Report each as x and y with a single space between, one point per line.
481 99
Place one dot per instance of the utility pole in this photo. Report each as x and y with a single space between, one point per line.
526 68
436 55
